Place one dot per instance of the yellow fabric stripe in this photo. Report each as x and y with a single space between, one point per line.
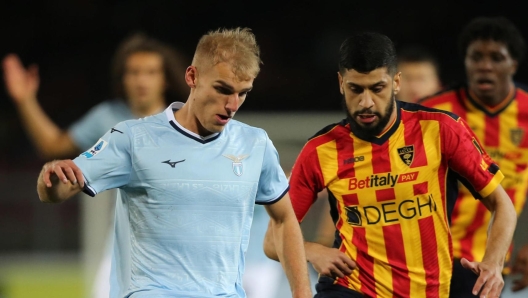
495 181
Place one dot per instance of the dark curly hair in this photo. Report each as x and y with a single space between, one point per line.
367 51
499 29
174 65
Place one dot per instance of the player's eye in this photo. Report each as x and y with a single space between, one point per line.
223 90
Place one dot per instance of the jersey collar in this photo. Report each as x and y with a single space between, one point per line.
169 112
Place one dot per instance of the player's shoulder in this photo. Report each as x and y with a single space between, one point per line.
146 122
236 126
327 134
522 91
426 113
450 94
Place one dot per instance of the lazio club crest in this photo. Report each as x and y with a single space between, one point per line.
238 168
516 135
406 154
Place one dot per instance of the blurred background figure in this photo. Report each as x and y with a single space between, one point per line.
496 109
420 73
146 75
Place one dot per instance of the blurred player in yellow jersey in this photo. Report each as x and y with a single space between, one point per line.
496 109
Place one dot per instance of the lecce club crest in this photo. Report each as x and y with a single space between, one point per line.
516 135
406 154
238 168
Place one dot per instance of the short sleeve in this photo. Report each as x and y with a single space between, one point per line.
97 121
467 157
107 164
306 181
273 183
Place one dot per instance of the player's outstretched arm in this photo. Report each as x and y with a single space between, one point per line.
500 233
22 85
520 266
287 243
59 180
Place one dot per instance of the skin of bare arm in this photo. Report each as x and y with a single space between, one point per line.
500 234
285 235
22 86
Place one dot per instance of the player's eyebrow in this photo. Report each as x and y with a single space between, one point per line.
380 83
230 88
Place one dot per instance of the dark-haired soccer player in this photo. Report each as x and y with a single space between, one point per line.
387 171
420 73
497 111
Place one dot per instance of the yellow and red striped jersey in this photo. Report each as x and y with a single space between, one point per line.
391 197
502 132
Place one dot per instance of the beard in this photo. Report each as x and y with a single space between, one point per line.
369 130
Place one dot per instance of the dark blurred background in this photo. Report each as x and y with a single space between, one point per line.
73 41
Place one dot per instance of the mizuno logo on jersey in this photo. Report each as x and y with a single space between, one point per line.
172 163
113 129
97 148
237 162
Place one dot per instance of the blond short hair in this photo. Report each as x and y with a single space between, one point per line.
237 47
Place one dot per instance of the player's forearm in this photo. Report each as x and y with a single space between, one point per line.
58 192
500 233
269 244
49 140
290 250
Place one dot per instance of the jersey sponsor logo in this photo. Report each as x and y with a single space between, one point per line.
353 159
406 154
172 163
96 149
381 180
516 135
391 212
497 155
113 129
238 168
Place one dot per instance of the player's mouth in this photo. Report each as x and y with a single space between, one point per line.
485 84
366 118
222 119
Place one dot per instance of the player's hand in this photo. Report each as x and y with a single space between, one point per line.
490 282
21 84
329 261
520 266
65 170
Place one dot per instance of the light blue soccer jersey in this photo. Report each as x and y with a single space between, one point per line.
98 121
186 203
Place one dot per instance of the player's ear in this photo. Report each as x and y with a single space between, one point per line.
396 82
191 74
340 80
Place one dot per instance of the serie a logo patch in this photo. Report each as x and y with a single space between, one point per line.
96 149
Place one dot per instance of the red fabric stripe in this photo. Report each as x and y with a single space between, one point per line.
364 262
420 188
345 155
467 243
401 282
385 195
522 117
491 133
430 256
414 137
381 162
351 199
